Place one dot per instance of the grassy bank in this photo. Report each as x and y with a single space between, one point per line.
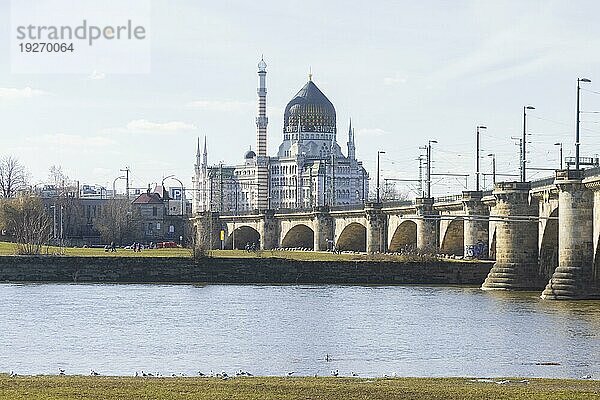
11 249
79 387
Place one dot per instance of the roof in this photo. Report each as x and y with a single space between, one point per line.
148 198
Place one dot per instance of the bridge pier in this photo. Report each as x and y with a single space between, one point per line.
268 230
516 266
376 229
573 278
427 225
208 230
323 224
476 225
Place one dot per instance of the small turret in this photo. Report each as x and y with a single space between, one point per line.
351 146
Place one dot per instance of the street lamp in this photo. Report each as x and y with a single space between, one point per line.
182 189
493 167
114 183
586 80
477 158
524 146
429 167
378 154
560 152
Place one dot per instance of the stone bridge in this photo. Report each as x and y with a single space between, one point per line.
518 224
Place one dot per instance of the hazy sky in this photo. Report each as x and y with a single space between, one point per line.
405 71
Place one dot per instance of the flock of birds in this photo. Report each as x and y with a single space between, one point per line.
222 375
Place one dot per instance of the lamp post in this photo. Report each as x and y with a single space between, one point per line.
493 167
579 80
524 146
479 127
429 167
114 183
182 189
378 154
560 153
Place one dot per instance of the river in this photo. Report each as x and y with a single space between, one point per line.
272 330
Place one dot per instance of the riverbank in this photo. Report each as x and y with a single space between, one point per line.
125 388
270 270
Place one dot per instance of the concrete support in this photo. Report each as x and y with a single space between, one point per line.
516 266
323 228
427 225
572 279
208 230
269 231
476 225
376 229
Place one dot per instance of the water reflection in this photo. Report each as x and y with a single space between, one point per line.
269 330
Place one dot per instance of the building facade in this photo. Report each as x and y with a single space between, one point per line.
309 170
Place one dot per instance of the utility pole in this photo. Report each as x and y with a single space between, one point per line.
379 152
524 144
477 158
429 167
577 125
560 153
126 170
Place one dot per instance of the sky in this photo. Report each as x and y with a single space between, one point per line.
405 71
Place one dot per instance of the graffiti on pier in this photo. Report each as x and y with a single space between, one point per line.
478 250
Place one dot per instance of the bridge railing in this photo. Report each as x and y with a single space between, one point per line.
398 203
542 182
448 199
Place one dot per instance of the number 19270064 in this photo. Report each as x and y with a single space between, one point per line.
43 47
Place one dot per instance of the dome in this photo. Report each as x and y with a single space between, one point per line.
262 65
249 154
311 109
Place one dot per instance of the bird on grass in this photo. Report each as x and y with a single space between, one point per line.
291 373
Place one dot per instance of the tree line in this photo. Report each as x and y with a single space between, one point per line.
31 224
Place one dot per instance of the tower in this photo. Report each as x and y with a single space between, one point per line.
351 146
262 161
262 120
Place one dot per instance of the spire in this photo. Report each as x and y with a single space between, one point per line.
351 146
198 148
205 154
310 73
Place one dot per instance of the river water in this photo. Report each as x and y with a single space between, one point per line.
273 330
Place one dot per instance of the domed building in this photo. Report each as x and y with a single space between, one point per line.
309 170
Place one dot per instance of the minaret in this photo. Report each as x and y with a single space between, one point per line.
351 146
262 120
262 161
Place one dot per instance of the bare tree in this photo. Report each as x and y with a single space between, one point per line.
118 223
58 177
12 177
27 221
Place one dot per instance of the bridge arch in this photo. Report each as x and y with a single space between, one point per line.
454 238
549 246
404 237
353 237
243 235
299 236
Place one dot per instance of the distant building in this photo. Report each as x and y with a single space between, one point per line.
159 213
309 169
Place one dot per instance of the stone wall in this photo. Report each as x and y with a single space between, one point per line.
236 270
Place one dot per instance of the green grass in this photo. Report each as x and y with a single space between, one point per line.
270 388
11 249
